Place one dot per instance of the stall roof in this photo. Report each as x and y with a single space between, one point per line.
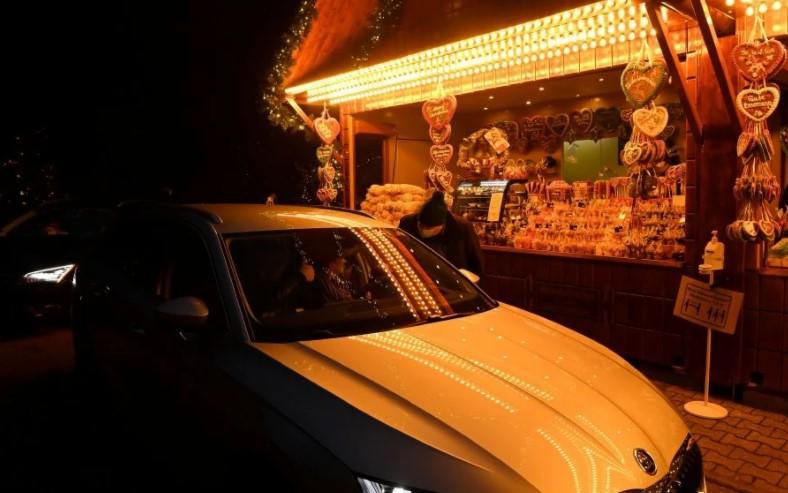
585 38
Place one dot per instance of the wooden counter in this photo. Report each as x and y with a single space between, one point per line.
673 264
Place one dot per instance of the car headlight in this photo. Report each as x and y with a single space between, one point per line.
51 274
370 486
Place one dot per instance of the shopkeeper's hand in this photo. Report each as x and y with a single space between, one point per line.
308 272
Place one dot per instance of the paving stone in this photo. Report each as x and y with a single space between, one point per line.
777 443
774 453
707 443
761 486
740 432
739 478
771 477
780 425
739 442
731 464
755 459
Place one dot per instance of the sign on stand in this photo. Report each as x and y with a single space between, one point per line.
715 308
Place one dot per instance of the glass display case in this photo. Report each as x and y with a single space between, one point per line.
489 201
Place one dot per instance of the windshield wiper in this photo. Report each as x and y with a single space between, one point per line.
448 316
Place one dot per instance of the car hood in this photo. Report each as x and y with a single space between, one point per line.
505 391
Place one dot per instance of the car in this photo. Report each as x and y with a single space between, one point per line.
42 248
322 350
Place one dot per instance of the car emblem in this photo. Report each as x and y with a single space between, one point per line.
645 461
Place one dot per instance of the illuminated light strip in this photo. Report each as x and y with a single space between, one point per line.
408 79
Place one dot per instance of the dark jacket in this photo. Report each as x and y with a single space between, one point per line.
458 242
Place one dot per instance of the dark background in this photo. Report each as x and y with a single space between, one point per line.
117 100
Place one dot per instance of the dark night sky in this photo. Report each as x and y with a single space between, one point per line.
134 96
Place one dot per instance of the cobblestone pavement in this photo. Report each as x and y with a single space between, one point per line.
745 452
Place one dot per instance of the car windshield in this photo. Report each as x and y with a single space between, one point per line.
318 283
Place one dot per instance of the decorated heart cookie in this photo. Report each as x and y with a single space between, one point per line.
440 135
439 112
327 128
324 153
323 195
582 120
631 153
558 124
642 80
758 104
441 154
440 178
532 128
328 172
651 121
607 119
759 60
744 143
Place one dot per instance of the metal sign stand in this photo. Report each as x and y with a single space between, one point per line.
704 408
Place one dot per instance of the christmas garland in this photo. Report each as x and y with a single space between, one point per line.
384 17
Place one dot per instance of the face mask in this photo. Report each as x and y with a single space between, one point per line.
429 232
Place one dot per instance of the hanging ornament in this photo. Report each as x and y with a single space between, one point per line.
643 79
438 113
582 121
327 128
757 60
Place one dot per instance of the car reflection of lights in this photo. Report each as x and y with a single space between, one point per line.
50 275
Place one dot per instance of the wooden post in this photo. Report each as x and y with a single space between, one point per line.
674 66
350 170
720 68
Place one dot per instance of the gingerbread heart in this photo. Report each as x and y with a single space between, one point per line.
759 60
440 135
324 153
582 120
607 119
328 172
744 143
626 115
642 80
532 128
758 104
631 154
440 178
327 129
558 124
441 154
651 121
332 193
669 130
323 195
438 112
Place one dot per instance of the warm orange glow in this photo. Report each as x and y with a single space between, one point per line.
573 41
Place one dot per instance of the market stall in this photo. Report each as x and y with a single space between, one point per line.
594 150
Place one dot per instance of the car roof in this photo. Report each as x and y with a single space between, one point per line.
248 218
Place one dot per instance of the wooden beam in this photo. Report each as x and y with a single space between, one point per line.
674 66
350 169
300 112
718 64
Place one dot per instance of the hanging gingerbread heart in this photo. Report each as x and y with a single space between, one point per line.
669 130
327 128
758 104
760 59
440 135
441 154
582 120
332 193
626 115
438 112
642 80
607 119
532 128
324 153
323 195
558 124
328 172
651 121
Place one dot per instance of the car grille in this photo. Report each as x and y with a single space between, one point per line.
685 474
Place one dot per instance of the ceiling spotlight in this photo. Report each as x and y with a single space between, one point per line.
577 95
541 88
528 103
486 108
491 96
601 79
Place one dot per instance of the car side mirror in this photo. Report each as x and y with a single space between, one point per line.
470 275
184 313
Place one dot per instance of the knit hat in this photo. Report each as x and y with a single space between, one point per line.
434 210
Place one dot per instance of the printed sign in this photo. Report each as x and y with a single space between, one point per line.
715 308
494 212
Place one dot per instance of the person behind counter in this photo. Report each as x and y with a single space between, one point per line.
446 233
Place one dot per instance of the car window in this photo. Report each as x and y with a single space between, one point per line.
188 271
317 283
